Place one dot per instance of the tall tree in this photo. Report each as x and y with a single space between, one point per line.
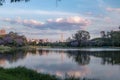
103 35
115 36
81 35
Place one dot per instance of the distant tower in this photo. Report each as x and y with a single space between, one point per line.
62 37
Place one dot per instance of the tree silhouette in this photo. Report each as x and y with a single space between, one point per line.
81 35
11 1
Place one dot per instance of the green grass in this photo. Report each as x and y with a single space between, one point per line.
5 49
22 73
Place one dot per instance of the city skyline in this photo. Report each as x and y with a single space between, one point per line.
42 19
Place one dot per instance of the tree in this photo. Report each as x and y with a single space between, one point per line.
115 37
11 1
103 35
68 39
81 35
81 38
13 39
2 1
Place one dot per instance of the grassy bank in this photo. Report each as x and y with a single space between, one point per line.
21 73
5 49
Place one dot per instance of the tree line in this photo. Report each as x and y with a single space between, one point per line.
13 39
82 38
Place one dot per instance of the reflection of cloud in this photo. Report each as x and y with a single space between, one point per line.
68 23
69 73
75 73
2 62
64 73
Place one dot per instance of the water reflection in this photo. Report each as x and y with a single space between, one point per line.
93 64
83 57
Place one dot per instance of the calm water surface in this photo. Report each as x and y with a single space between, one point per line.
98 64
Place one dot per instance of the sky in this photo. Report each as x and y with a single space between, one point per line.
42 19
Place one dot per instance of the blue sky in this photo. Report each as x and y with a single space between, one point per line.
42 19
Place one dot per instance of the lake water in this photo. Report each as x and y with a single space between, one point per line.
91 63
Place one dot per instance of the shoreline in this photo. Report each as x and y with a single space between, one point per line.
7 48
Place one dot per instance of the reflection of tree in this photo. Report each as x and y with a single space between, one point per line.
109 57
43 52
81 58
13 55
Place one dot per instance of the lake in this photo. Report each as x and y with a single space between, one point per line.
90 63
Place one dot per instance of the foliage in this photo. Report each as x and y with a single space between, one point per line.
22 73
81 39
13 39
5 49
115 38
2 1
81 35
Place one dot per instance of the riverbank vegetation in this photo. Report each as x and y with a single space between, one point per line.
107 39
21 73
13 40
80 39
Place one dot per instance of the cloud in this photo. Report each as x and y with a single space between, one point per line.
23 22
113 9
107 19
69 23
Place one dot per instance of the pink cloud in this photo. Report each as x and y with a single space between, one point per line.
113 9
24 22
69 23
108 19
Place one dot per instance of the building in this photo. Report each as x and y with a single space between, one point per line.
38 40
2 32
